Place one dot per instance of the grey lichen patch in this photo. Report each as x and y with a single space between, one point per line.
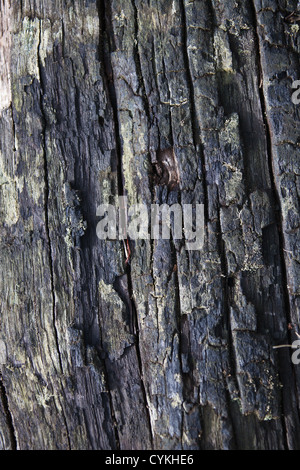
294 30
223 54
75 224
257 380
115 330
242 241
231 178
251 241
106 178
51 31
3 352
27 40
232 184
261 209
9 210
230 132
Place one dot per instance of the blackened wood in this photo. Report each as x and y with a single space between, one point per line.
159 347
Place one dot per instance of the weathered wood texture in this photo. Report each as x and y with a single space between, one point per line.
174 351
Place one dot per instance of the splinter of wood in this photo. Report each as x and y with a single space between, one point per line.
127 251
293 17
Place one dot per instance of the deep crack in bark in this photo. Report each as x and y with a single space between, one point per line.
9 419
47 195
278 213
109 82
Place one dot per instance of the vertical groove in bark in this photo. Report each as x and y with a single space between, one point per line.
266 46
277 202
105 47
138 352
123 193
107 37
194 119
175 350
112 412
107 74
46 207
262 94
226 322
138 62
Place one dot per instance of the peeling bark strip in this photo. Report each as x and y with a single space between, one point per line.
165 103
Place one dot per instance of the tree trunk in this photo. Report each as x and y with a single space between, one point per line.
182 101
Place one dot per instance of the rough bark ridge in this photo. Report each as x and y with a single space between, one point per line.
174 351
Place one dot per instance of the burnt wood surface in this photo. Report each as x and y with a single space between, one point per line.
164 101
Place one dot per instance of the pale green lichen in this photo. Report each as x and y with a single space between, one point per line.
27 40
229 133
49 34
223 55
75 224
294 29
10 211
3 352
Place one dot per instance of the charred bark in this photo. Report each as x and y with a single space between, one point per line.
146 344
